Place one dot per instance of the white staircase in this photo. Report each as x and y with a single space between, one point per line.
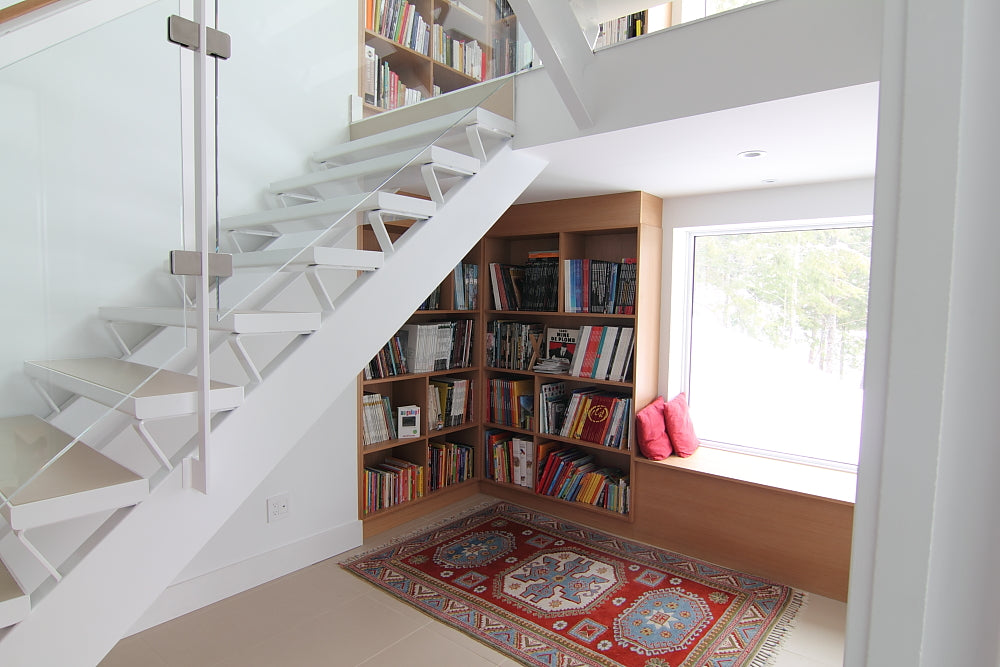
123 572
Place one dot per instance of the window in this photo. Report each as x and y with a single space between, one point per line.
774 338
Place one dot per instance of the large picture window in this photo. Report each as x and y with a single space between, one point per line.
775 339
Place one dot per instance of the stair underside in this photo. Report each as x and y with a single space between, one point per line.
14 604
81 481
435 156
239 322
419 134
135 389
321 215
295 259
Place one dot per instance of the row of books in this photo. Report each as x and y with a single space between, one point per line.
512 402
383 86
433 300
510 458
599 286
465 55
379 422
450 402
511 345
466 286
391 482
601 417
603 353
390 361
572 474
437 346
399 21
531 286
449 463
618 30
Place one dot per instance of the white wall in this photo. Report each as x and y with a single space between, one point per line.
772 51
800 202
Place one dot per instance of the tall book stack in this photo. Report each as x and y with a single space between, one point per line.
511 345
465 55
600 417
450 402
541 281
399 21
509 458
603 353
466 286
379 420
512 402
391 482
390 361
572 474
437 346
449 463
599 286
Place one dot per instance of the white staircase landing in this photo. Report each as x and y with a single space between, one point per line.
81 481
141 391
296 259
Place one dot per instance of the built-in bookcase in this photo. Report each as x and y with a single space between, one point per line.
430 47
610 228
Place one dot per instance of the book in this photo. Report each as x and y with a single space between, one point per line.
561 343
371 70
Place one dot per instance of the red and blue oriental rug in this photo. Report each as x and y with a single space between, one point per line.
548 592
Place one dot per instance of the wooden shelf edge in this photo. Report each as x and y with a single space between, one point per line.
458 370
570 503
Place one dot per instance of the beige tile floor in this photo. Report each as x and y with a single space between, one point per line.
324 616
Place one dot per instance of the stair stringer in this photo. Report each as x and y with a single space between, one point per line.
81 619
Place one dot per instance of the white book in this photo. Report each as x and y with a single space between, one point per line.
622 354
371 76
605 352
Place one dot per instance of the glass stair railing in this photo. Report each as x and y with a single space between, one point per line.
99 335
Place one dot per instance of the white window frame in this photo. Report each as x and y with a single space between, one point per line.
682 305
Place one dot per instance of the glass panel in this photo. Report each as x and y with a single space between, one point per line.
287 184
778 340
609 22
90 174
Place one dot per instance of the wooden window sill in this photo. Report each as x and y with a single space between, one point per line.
798 478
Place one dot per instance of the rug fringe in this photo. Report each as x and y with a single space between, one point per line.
769 652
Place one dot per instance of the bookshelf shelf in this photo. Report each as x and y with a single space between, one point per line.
607 227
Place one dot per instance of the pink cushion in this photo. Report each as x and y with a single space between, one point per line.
651 430
680 430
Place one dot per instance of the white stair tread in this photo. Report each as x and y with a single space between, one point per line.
240 322
301 217
441 158
141 391
14 604
82 481
296 259
422 132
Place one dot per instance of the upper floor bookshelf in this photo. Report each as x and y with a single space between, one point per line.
412 50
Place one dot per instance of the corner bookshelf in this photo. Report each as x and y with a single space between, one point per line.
606 227
609 228
422 59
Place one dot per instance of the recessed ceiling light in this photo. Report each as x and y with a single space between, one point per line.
770 180
751 154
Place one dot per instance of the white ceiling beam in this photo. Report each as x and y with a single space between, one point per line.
557 37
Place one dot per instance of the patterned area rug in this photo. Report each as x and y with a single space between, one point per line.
547 592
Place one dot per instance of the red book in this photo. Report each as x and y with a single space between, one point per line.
590 352
598 418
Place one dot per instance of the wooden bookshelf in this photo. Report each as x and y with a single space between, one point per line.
474 22
610 228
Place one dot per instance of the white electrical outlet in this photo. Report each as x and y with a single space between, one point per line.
277 507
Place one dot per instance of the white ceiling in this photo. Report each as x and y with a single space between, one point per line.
824 136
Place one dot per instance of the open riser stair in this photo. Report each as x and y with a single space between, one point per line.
453 176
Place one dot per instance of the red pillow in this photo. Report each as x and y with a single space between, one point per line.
651 430
680 430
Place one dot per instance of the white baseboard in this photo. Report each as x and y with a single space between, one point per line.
187 596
